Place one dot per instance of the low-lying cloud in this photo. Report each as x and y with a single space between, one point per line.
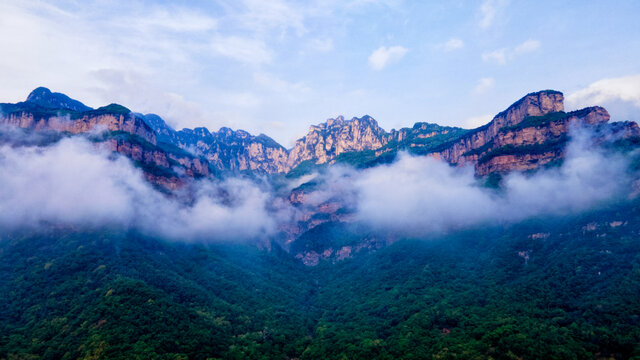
417 195
73 182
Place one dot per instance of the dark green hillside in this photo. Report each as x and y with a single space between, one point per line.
544 289
553 288
115 295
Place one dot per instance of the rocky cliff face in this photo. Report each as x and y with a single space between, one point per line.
157 160
31 115
83 124
336 136
113 126
226 149
535 104
530 133
230 150
326 142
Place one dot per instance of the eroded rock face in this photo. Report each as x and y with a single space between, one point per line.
229 150
530 133
139 153
326 141
86 123
535 104
120 131
336 136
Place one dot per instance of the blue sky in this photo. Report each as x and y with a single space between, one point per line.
278 66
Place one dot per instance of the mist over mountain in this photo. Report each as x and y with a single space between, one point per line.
319 180
113 167
464 236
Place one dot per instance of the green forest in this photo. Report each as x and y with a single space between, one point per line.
547 288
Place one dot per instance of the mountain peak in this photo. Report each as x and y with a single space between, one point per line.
540 102
334 121
537 103
39 92
42 96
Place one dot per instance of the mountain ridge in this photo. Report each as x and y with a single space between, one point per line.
528 134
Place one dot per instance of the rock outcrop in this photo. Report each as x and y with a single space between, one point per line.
226 149
109 118
337 136
528 134
229 150
535 104
326 142
113 126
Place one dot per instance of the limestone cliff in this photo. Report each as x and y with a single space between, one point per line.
157 160
230 150
111 118
226 149
530 133
366 140
534 104
114 126
336 136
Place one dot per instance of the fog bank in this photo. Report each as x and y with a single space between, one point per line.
73 182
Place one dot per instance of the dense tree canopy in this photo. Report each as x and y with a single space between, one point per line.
561 288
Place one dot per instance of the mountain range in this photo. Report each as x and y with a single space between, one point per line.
514 240
530 133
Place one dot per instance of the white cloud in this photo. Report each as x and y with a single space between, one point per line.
423 196
625 88
453 44
490 10
383 56
139 92
484 84
294 91
527 47
172 19
279 15
75 183
322 45
620 96
501 56
246 50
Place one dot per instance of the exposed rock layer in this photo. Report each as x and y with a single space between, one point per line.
530 133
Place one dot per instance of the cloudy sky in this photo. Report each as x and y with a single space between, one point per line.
278 66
